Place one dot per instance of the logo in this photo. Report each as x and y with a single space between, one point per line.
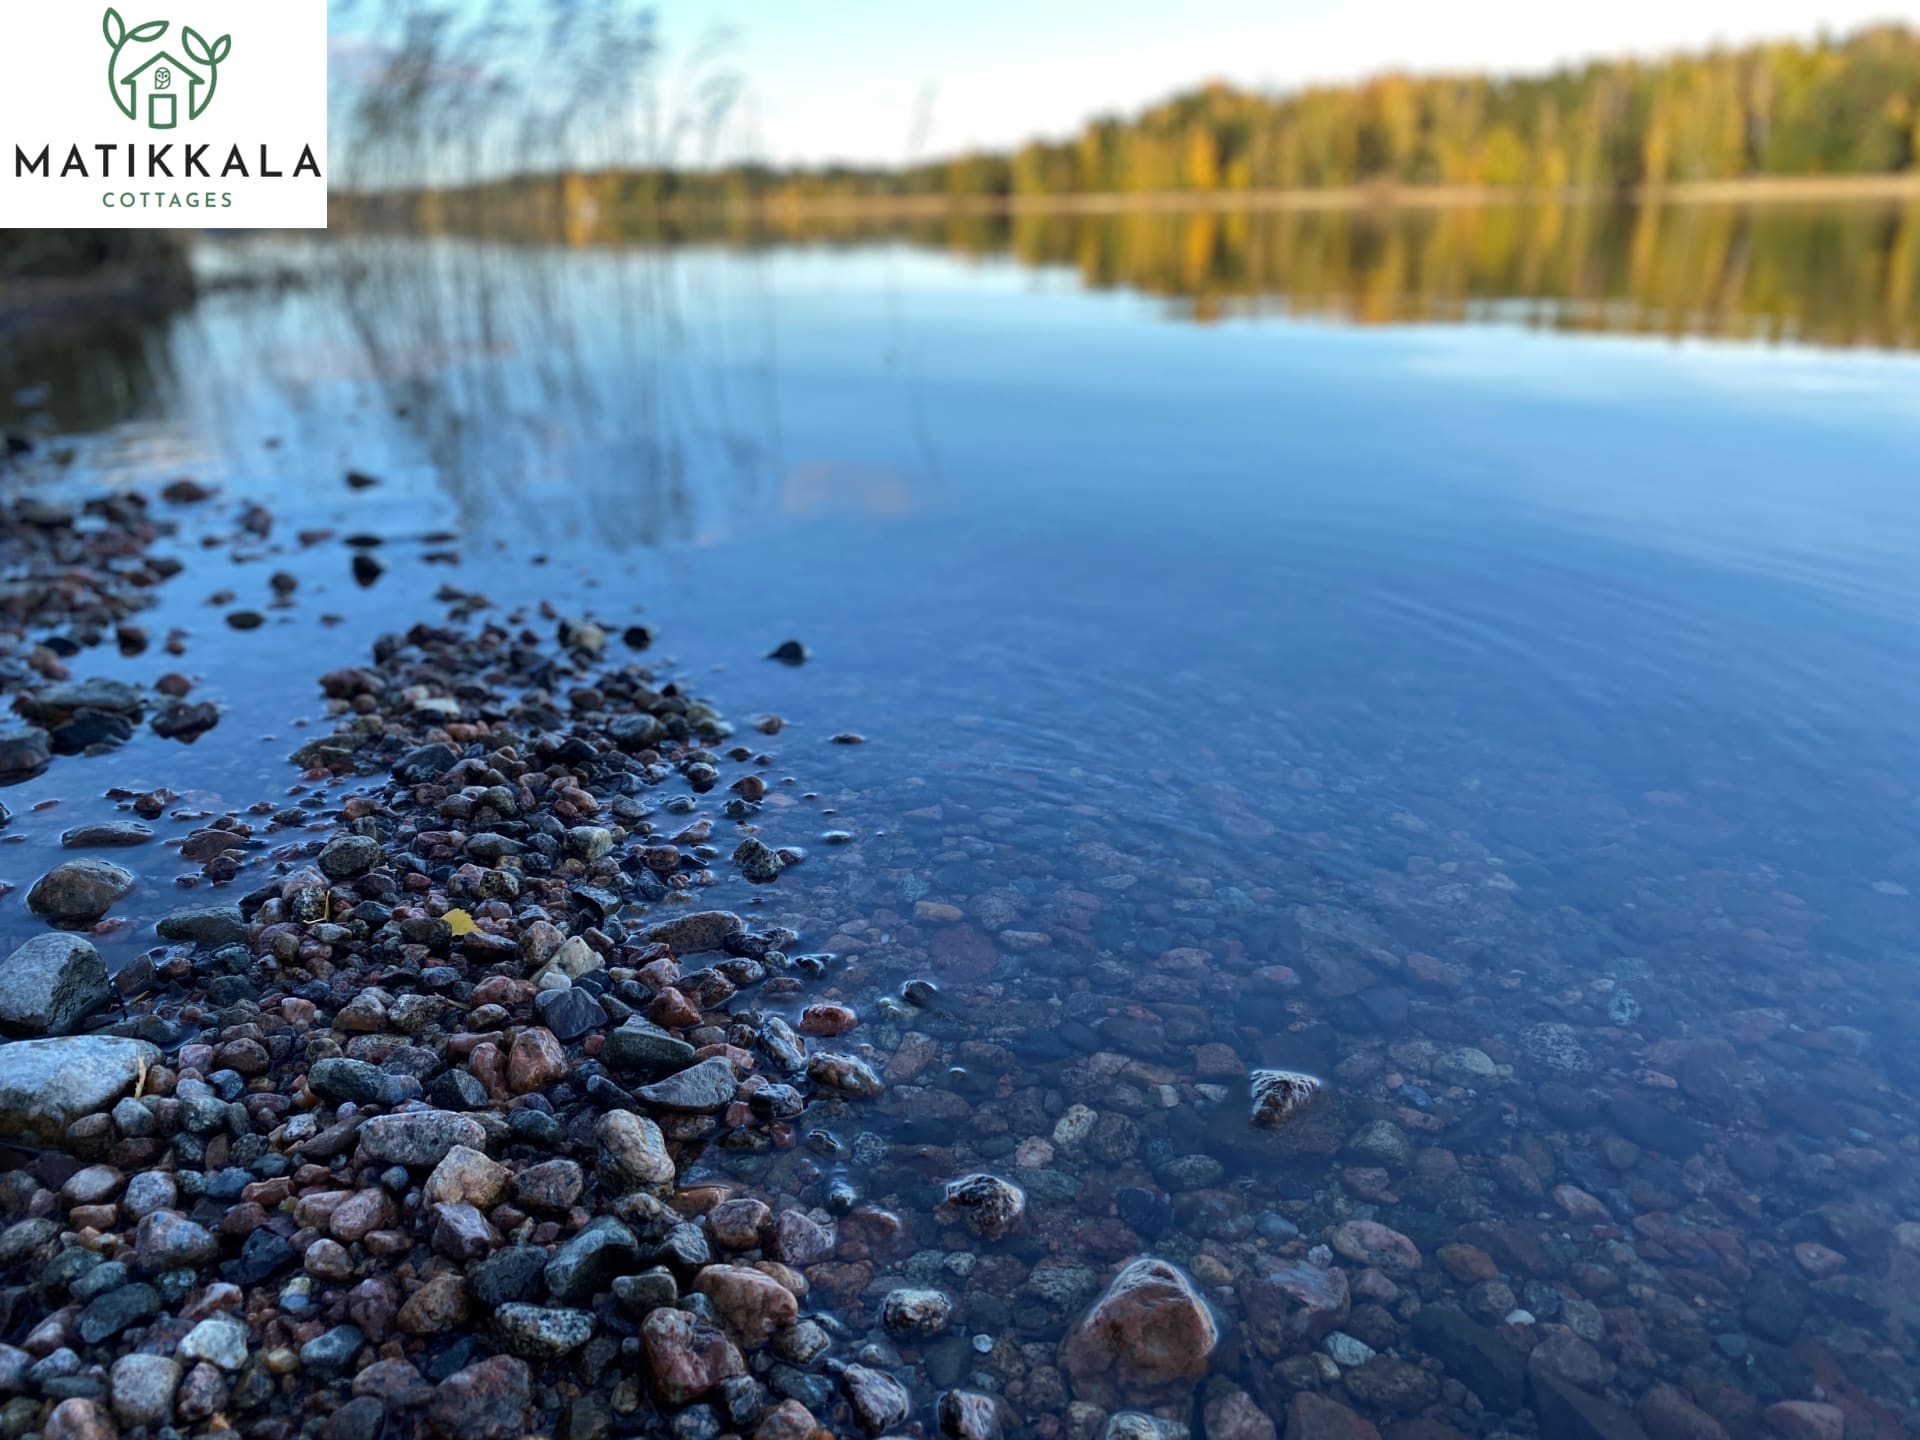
146 81
193 139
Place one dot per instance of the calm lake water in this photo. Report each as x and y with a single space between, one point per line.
1212 671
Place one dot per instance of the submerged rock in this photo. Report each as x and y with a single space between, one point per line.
1295 1305
844 1074
1315 1417
1367 1242
915 1313
990 1207
879 1401
1150 1329
1280 1096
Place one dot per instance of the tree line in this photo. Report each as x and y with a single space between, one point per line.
1848 106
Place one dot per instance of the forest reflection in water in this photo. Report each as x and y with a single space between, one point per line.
1816 273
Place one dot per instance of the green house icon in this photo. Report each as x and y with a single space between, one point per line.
167 86
155 84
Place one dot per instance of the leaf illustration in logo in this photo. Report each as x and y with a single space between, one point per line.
222 48
197 48
114 27
152 30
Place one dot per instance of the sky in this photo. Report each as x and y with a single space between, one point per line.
884 81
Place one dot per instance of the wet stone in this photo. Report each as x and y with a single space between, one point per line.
990 1207
1316 1417
212 926
1566 1410
1484 1361
79 891
143 1387
915 1313
570 1013
1279 1096
703 1088
759 863
24 753
1391 1384
349 856
753 1303
965 1415
1555 1047
878 1401
1149 1329
696 933
512 1274
106 835
486 1401
418 1139
339 1078
646 1048
844 1075
798 1239
588 1262
1148 1212
632 1152
116 1310
686 1356
1655 1127
333 1350
1367 1242
539 1332
50 985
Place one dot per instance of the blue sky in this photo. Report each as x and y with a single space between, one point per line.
845 79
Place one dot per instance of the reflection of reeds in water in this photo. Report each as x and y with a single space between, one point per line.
618 384
545 392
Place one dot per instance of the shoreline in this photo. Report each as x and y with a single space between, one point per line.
1758 190
1836 189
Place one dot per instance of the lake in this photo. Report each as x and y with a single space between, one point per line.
1471 658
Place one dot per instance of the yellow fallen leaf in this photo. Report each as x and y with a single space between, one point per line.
140 1080
460 922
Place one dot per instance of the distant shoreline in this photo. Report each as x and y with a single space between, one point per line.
1758 190
542 192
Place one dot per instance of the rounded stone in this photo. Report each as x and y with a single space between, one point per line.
142 1387
79 892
